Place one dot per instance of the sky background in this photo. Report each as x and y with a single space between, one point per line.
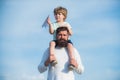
96 27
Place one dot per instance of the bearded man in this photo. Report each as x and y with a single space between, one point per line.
60 71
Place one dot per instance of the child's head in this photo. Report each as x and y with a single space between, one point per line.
59 10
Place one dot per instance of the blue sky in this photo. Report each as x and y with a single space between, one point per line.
96 27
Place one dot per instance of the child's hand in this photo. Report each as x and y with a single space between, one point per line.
48 20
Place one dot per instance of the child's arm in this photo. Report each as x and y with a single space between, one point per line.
51 31
69 28
70 31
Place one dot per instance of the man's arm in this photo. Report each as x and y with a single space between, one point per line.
41 67
80 68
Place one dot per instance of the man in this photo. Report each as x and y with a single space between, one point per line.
61 71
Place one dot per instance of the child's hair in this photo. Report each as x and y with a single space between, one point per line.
62 10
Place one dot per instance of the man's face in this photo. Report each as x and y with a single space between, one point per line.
62 39
62 35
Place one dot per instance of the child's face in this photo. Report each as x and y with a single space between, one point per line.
59 17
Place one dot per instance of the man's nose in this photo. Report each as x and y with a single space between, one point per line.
62 37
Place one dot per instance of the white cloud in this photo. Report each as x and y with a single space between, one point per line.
83 9
19 68
98 32
24 76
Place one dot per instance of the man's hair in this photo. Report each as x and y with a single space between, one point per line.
62 28
62 10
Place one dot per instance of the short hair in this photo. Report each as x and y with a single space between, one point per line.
62 10
62 28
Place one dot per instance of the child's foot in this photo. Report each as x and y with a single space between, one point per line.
53 63
71 67
53 60
73 64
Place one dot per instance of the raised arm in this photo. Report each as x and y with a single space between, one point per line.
51 31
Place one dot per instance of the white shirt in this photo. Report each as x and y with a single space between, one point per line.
60 71
56 25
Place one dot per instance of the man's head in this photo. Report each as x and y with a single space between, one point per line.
62 35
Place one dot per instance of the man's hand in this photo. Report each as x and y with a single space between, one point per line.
47 62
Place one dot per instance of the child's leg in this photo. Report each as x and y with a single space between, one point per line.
52 47
71 55
52 56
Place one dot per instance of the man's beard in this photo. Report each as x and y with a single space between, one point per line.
62 43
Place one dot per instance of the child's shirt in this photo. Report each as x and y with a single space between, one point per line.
56 25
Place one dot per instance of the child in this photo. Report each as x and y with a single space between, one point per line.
60 14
